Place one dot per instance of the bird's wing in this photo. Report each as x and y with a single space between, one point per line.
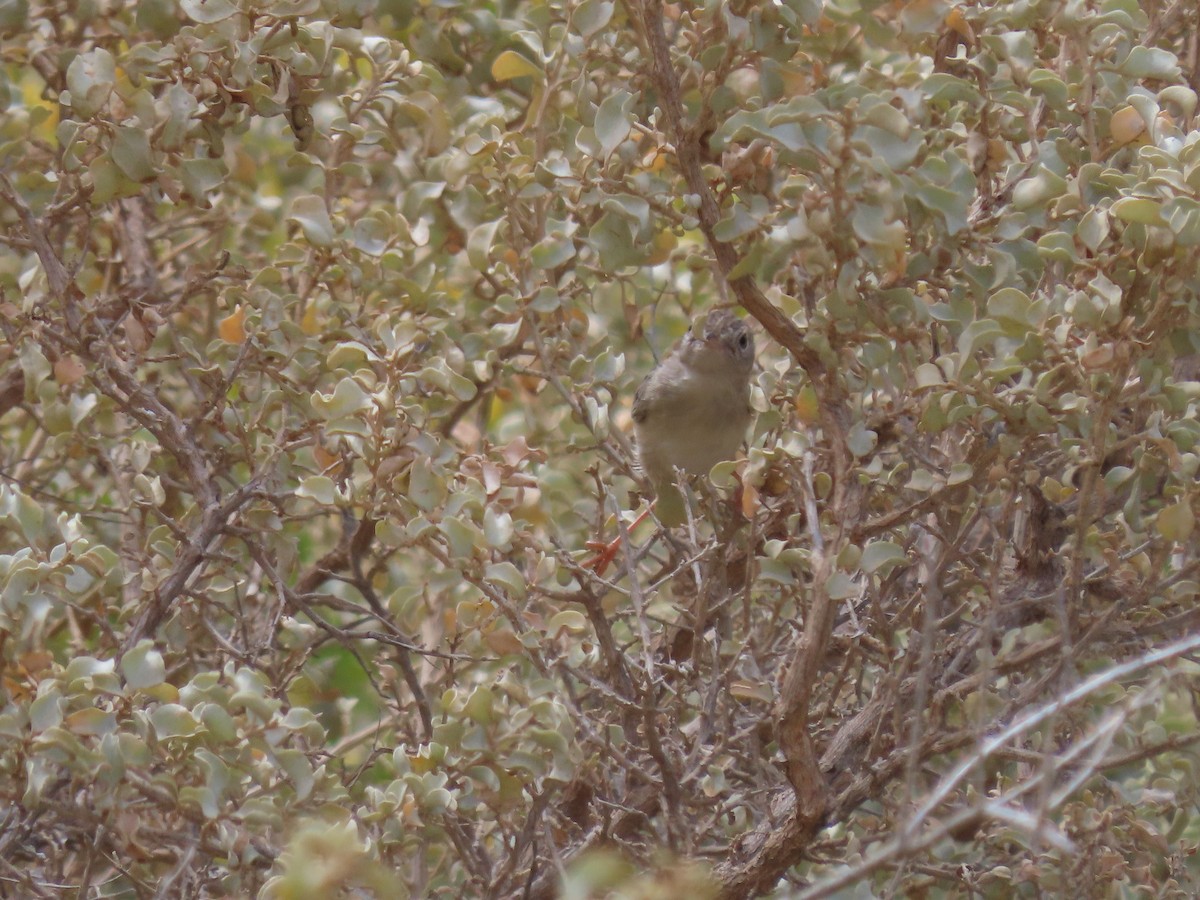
662 386
641 400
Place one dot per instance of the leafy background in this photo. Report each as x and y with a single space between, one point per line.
321 323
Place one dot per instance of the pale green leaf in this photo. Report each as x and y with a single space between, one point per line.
591 16
613 121
171 720
311 214
347 398
319 488
928 375
481 706
90 79
1142 210
840 586
1150 62
479 244
131 153
880 554
206 12
143 666
1176 522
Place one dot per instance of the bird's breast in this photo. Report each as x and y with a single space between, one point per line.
704 424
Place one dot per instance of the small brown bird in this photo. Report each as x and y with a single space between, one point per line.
691 412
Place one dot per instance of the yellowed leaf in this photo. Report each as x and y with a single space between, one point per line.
308 322
660 249
957 22
510 64
232 328
750 502
503 642
655 160
1127 126
806 406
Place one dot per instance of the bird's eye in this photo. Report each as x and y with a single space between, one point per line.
744 340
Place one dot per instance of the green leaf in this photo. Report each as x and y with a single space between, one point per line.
871 227
945 89
220 724
1057 246
299 771
371 235
497 527
1150 62
1050 86
507 576
928 375
425 489
350 355
202 176
614 243
46 710
311 214
481 706
921 480
439 374
319 488
1181 96
108 182
1182 215
950 204
479 244
143 666
591 16
613 121
880 113
880 554
1093 228
90 79
736 223
290 9
180 105
347 398
206 12
1138 209
1011 306
461 535
861 440
131 153
30 515
978 334
1176 522
552 251
171 720
1038 190
839 586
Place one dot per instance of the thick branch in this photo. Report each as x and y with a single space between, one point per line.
688 153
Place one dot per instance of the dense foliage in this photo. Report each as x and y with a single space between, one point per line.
321 323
